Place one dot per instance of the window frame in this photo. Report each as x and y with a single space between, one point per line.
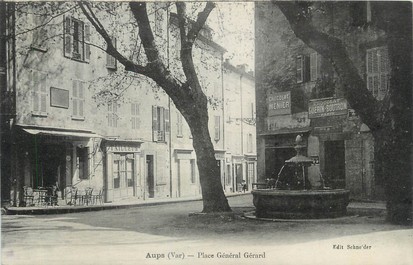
76 33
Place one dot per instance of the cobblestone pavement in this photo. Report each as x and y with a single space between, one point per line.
167 234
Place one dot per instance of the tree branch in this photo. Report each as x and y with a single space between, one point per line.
187 41
129 65
332 48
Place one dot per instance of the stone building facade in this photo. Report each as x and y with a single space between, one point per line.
299 93
81 120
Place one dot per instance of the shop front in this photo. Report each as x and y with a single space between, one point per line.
51 157
122 170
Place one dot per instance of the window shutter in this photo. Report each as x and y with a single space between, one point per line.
161 122
110 60
81 98
68 36
306 68
313 66
74 98
154 124
299 67
167 123
43 92
36 92
87 42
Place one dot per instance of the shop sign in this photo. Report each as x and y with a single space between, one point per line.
327 107
279 103
122 148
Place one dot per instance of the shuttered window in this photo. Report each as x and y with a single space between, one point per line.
179 124
135 113
76 39
110 60
113 114
378 71
160 124
315 61
78 99
39 33
38 85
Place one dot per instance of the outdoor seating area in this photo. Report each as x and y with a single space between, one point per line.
51 196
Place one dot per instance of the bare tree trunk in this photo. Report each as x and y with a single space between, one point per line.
214 199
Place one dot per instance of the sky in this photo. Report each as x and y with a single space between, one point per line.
233 25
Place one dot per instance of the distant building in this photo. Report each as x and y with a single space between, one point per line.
79 121
298 93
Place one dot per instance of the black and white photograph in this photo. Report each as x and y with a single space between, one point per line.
206 132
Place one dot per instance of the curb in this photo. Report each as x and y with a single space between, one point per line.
77 209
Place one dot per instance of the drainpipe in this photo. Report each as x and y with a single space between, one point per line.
242 126
224 165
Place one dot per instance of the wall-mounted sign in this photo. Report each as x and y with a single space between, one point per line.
279 103
59 97
122 148
327 107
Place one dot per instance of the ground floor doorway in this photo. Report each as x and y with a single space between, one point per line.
334 164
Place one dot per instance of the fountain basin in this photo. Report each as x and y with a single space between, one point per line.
300 204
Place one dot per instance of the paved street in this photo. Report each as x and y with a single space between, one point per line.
167 234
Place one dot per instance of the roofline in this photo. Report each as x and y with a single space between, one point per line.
237 70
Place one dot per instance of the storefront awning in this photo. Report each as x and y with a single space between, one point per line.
286 131
70 133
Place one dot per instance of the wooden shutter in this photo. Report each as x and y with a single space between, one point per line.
314 66
43 92
161 122
35 88
81 92
87 42
68 36
110 60
154 124
299 69
74 98
167 123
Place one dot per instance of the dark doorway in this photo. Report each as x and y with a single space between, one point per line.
275 159
49 165
238 175
334 163
150 175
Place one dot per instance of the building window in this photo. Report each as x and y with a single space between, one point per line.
82 162
113 115
315 63
217 128
303 68
179 124
249 143
135 113
76 39
38 84
39 34
110 60
78 99
160 123
193 171
378 71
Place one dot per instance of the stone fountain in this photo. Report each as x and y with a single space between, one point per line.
292 196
